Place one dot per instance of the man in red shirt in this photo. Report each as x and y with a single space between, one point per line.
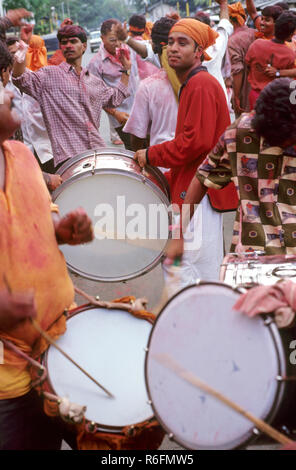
202 118
273 53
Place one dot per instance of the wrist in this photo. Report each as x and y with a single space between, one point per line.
126 39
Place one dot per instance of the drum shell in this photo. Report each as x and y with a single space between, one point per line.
283 410
110 161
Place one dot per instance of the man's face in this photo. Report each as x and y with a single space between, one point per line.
72 48
9 119
182 51
267 25
111 42
13 48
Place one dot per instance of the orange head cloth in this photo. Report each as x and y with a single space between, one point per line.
148 29
37 54
201 33
237 12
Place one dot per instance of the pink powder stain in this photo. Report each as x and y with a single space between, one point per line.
36 257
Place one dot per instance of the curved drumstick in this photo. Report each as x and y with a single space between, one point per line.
53 343
168 362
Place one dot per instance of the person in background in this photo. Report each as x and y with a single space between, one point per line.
263 54
107 66
137 26
238 45
266 21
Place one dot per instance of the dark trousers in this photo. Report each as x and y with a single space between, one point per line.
126 138
25 426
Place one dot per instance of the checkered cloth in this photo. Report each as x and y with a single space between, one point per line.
264 178
71 106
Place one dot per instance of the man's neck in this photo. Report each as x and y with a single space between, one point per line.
183 74
76 64
2 169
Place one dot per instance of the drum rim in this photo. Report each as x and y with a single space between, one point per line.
281 363
100 426
111 151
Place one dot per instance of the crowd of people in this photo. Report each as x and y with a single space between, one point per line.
210 105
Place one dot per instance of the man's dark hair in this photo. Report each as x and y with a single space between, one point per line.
72 31
274 11
107 26
160 33
285 26
139 22
203 17
275 117
283 5
6 59
11 40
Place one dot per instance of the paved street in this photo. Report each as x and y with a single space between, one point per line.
149 285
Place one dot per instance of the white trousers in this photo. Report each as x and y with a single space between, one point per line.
203 250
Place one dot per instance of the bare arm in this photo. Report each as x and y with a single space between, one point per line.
251 9
271 72
223 9
237 80
138 46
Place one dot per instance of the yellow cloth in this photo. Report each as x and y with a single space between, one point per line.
237 11
174 81
30 260
37 54
148 28
201 33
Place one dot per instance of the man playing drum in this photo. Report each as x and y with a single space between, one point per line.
202 118
257 152
34 283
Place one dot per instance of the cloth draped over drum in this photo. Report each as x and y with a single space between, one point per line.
279 298
147 435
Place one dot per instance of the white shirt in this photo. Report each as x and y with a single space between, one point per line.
32 124
217 52
154 111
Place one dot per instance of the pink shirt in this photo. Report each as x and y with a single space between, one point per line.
71 105
145 68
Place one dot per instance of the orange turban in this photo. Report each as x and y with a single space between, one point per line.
37 53
201 33
237 11
148 29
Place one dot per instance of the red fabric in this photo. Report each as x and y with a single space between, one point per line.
57 58
202 118
266 299
253 96
224 199
260 54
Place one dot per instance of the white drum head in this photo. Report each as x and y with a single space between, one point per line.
113 255
109 345
232 353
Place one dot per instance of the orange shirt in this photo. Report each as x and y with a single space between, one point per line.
29 259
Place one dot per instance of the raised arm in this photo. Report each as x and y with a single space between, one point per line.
122 34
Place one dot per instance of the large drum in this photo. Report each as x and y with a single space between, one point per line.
245 359
109 345
129 209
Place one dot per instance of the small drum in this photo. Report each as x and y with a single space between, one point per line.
109 345
245 359
250 268
128 208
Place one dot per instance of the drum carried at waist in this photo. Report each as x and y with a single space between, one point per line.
129 209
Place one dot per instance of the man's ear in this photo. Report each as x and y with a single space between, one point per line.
84 46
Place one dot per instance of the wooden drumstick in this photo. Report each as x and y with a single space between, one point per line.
53 343
168 362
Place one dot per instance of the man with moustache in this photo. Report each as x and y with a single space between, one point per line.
71 98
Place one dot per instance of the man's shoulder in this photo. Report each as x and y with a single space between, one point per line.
19 150
153 80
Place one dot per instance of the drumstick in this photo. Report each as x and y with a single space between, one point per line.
53 343
120 237
171 364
